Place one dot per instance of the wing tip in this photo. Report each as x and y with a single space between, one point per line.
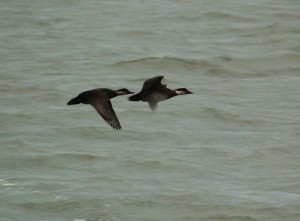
117 128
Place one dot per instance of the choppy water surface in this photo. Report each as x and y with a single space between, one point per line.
230 151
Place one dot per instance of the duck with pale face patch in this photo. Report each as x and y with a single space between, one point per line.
153 91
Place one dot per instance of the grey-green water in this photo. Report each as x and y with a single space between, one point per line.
228 152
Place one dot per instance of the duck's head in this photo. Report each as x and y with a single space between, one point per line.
182 91
124 91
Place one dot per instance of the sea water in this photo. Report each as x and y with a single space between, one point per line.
230 151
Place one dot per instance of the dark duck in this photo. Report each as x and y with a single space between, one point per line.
100 99
154 91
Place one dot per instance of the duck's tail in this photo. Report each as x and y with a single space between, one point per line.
135 97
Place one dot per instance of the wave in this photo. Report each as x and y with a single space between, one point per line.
225 116
262 65
225 15
277 64
207 16
188 63
280 63
162 59
54 161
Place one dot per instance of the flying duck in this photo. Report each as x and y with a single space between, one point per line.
154 91
100 99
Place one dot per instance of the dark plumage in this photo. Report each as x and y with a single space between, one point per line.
154 91
100 99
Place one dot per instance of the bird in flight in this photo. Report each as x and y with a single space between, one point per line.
153 91
100 99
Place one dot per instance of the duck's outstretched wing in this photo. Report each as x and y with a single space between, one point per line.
148 86
153 83
104 107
